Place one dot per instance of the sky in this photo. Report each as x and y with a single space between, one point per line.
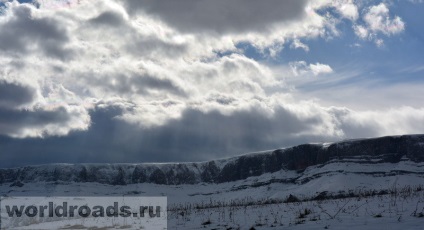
132 81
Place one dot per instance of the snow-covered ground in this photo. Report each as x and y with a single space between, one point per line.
377 212
370 196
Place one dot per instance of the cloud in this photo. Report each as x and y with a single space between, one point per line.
361 31
137 81
266 25
379 42
220 16
32 104
24 31
319 68
302 68
108 18
347 9
13 94
378 123
378 21
198 135
40 122
25 113
298 44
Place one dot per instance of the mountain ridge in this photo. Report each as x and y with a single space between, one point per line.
388 149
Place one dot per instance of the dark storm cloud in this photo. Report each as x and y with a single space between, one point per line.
221 16
196 136
210 135
12 122
24 32
108 18
13 94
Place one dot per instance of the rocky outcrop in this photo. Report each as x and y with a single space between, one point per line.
385 149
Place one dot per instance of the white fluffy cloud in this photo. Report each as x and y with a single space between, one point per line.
378 123
378 21
361 31
347 8
302 68
319 68
298 44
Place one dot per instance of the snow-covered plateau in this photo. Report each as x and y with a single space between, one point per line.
355 184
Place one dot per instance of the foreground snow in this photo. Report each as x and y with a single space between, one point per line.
370 196
377 212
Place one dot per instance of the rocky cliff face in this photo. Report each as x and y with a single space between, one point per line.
376 150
